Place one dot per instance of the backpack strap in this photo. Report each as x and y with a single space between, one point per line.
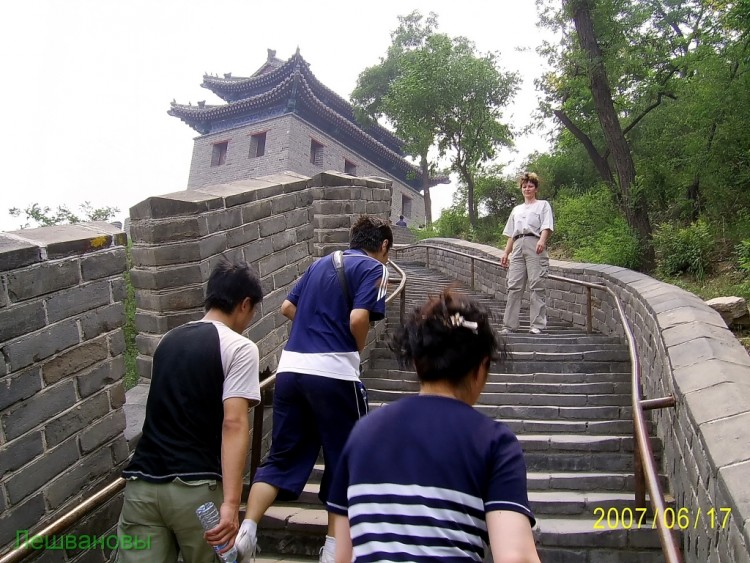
338 263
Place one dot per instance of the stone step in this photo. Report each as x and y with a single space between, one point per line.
374 372
529 399
407 381
549 365
593 427
297 533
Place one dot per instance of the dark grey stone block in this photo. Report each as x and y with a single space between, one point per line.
20 518
159 324
18 453
272 225
41 344
33 411
102 431
255 211
79 477
101 376
169 231
17 254
117 395
164 278
172 301
101 320
116 342
42 279
75 360
40 472
258 249
19 386
104 264
224 219
77 300
81 238
21 319
187 202
76 419
271 263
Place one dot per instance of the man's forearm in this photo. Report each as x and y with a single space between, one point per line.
359 324
234 449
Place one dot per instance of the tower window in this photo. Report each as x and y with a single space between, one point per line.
316 153
350 168
405 206
257 145
219 153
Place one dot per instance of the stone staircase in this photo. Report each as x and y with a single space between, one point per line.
566 395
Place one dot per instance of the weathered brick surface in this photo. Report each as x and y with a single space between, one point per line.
40 472
74 360
19 386
42 279
76 419
60 342
19 452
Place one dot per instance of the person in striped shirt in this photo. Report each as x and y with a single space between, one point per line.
429 478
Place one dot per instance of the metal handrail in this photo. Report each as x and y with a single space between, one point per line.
645 464
100 497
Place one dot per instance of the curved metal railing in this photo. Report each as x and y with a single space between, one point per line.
644 462
64 522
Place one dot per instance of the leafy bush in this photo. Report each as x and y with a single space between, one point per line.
684 249
453 223
743 255
589 228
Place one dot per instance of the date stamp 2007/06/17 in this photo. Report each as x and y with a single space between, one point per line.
681 519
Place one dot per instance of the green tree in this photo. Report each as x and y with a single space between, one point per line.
438 90
372 97
46 216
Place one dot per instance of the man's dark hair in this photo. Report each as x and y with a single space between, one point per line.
369 232
229 284
401 217
446 338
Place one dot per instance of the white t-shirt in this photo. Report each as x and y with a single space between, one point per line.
529 219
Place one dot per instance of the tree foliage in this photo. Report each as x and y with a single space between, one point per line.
679 77
36 215
438 91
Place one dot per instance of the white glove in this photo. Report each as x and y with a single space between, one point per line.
246 542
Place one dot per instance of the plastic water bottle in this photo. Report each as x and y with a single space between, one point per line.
209 517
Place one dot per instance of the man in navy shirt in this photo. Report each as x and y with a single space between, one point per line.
318 396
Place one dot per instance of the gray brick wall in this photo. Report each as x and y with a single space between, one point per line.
277 223
288 149
685 350
61 369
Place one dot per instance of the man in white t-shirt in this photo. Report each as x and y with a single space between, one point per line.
196 433
528 228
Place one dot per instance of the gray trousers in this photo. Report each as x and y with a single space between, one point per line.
526 268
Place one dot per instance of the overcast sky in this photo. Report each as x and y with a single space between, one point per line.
87 83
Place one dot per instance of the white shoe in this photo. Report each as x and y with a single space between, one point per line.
534 330
326 557
505 332
246 543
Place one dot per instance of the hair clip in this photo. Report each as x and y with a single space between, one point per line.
458 320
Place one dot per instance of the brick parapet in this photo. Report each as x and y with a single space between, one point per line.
685 350
61 369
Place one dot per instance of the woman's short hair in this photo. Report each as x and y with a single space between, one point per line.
446 338
229 284
369 232
530 177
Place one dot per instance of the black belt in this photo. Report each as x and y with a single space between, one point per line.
525 235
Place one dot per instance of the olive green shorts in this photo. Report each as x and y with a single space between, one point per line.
158 521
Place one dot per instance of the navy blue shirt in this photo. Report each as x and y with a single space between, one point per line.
321 340
418 476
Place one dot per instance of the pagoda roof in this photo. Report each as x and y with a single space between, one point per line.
274 71
292 88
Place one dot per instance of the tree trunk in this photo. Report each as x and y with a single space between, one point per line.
469 177
633 203
426 191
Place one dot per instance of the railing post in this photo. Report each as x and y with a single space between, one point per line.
257 435
427 249
639 484
472 273
402 306
589 323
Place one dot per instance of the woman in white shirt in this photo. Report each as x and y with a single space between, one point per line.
528 228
